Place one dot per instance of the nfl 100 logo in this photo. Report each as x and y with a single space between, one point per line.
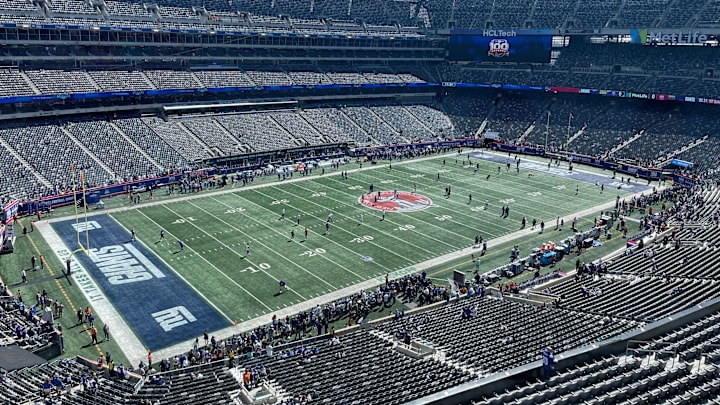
499 47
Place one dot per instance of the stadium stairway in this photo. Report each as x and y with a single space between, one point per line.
352 122
576 135
87 151
25 163
131 142
665 160
29 82
148 81
197 139
419 120
616 148
521 138
388 124
243 146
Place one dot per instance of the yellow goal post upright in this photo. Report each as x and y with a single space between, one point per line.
81 224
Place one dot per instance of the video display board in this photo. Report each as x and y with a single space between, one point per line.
477 47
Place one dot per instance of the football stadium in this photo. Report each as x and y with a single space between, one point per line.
359 202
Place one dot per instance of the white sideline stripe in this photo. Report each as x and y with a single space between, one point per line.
230 190
120 331
144 260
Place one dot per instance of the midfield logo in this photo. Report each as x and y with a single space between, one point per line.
395 202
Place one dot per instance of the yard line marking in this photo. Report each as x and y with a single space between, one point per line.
354 253
342 229
516 184
211 265
391 222
238 254
232 190
261 244
394 222
170 267
460 212
280 233
501 191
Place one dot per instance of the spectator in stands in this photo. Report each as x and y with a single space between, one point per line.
47 388
156 380
548 362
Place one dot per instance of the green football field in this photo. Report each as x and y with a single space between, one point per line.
216 228
216 224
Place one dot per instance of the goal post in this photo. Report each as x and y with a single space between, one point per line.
81 220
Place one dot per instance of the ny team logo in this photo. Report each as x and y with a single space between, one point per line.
392 201
499 48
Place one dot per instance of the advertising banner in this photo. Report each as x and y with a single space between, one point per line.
11 211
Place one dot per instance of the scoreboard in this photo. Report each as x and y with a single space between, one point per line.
508 46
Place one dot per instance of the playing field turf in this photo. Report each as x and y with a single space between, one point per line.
214 275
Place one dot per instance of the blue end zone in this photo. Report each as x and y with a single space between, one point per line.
637 185
160 307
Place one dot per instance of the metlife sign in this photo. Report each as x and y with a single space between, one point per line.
669 37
